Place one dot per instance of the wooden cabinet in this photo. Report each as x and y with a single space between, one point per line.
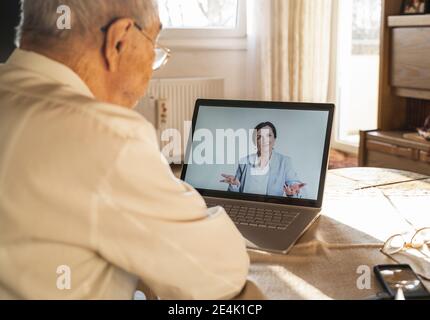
424 157
390 150
404 93
410 63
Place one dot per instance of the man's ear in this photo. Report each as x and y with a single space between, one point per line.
117 36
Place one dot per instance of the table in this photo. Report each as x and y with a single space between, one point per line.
363 207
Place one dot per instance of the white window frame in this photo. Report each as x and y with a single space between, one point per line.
209 38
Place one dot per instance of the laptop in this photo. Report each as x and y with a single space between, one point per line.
265 163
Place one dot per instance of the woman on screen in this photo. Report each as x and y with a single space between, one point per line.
266 172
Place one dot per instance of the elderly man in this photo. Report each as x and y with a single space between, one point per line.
88 206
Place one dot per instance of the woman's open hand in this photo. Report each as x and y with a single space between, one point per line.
294 189
231 180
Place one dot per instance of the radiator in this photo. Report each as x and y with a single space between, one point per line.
169 104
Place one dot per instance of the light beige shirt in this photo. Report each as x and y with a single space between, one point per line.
83 185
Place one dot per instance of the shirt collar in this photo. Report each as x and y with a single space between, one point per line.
49 68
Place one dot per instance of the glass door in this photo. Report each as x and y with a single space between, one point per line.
358 70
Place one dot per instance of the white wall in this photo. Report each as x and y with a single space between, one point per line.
228 64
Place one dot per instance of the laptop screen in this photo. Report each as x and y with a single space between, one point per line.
272 151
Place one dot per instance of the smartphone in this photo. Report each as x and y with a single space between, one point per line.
394 277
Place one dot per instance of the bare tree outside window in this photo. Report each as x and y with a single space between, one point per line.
199 13
366 24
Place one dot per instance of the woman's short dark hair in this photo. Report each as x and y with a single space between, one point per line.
267 124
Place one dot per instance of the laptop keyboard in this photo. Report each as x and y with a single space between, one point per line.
259 218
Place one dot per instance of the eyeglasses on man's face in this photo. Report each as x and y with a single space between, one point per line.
162 54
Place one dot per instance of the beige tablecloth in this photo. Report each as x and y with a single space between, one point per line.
346 240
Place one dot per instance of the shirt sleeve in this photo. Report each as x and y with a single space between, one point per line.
158 228
292 177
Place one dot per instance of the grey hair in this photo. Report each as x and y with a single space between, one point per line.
39 17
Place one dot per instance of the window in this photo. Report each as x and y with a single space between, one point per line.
358 65
203 18
198 13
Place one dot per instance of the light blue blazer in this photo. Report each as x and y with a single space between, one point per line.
281 173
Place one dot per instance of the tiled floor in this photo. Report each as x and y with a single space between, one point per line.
340 159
